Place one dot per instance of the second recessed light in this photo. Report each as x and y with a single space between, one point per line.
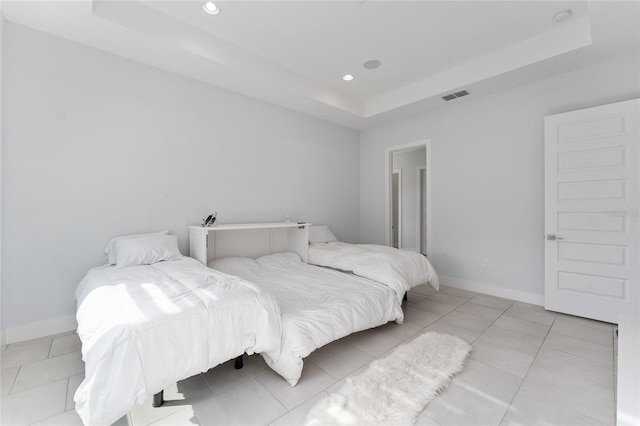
211 8
347 77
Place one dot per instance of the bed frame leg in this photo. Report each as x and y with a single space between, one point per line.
158 399
405 296
239 364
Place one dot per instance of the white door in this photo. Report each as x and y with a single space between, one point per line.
591 211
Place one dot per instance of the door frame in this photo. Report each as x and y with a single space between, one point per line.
388 170
399 172
427 190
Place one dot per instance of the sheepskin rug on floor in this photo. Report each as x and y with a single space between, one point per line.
395 389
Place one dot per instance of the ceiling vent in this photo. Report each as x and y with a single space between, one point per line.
455 95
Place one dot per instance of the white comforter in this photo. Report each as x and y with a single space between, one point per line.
318 305
399 269
146 327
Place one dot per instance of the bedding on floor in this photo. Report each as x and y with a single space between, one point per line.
399 269
318 305
145 327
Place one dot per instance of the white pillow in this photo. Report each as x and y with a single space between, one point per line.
110 249
321 234
146 250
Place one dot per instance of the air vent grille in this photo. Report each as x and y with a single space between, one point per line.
455 95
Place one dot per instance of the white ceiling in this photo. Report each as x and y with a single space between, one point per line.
294 53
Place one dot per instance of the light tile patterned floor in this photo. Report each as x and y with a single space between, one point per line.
528 367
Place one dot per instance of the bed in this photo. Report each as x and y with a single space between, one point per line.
401 270
318 305
154 317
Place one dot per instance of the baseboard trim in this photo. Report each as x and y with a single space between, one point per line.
36 329
493 290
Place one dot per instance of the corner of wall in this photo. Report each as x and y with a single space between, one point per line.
360 179
2 330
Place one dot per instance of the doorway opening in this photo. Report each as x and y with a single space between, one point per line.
421 211
408 196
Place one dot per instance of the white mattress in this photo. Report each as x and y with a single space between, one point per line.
399 269
146 327
318 305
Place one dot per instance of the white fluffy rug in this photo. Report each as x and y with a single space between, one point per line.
395 389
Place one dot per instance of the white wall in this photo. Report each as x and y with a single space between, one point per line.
487 175
97 145
408 163
2 327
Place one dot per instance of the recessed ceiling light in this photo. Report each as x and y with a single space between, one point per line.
562 16
347 77
372 64
211 8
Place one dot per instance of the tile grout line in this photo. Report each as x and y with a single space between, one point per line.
50 347
579 355
492 323
435 301
275 397
15 379
492 307
536 356
469 301
528 369
66 395
554 321
575 355
584 320
531 321
130 419
30 387
477 337
578 338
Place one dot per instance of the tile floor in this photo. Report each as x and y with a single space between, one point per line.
528 367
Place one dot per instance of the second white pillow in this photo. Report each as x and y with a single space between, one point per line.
321 234
146 250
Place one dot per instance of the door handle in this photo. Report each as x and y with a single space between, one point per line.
553 237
